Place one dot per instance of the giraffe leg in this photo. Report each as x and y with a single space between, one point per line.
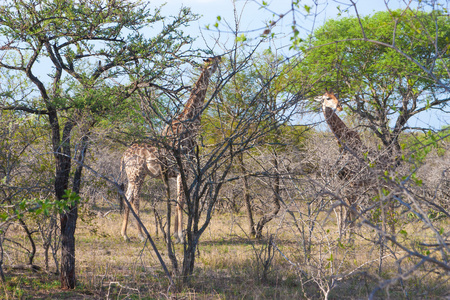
178 223
135 206
126 210
339 211
175 226
351 214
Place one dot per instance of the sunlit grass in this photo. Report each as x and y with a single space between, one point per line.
229 264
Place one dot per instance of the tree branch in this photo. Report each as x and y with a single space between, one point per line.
25 109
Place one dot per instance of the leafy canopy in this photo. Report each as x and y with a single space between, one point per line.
375 63
68 48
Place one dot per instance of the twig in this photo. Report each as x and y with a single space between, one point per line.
288 260
121 287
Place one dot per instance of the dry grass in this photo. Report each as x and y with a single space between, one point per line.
228 266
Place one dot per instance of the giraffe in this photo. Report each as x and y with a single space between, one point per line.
140 160
349 142
346 137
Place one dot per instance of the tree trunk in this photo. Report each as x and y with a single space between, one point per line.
68 225
275 201
248 205
192 201
171 254
61 152
191 238
30 238
2 275
47 232
189 256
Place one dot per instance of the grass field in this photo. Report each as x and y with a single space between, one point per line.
229 265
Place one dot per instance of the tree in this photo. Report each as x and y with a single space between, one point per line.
18 136
379 64
387 67
261 85
235 121
98 56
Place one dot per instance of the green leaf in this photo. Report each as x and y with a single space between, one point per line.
3 216
307 8
330 258
241 38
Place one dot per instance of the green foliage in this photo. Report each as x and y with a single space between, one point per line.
83 61
432 215
373 69
40 207
241 38
244 105
341 57
100 49
419 145
95 55
23 174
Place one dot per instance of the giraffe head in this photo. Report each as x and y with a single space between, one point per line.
329 100
211 63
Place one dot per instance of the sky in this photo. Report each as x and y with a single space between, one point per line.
253 19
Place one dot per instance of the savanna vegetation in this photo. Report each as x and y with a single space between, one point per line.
277 204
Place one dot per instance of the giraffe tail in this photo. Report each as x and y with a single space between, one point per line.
121 197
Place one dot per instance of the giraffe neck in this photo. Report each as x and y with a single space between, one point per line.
340 130
194 105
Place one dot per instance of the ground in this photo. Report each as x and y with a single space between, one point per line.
229 265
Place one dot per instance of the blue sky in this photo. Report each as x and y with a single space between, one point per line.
252 20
